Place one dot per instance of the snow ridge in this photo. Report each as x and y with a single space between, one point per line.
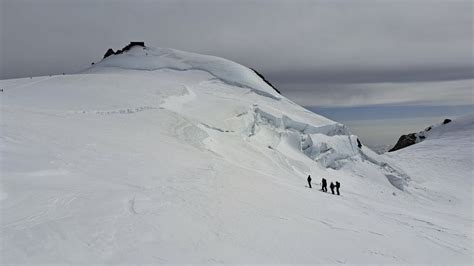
151 59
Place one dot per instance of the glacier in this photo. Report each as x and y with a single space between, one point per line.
163 156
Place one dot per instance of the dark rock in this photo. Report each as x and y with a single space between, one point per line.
109 53
266 81
404 141
126 48
412 138
132 44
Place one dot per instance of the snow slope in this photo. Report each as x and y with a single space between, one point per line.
442 164
163 156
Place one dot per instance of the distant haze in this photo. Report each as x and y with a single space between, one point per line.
321 54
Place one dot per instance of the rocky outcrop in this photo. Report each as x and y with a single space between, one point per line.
109 53
413 138
126 48
404 141
266 81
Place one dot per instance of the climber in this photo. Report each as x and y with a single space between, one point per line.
338 185
309 181
332 187
324 185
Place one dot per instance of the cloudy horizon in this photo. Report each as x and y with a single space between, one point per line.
344 59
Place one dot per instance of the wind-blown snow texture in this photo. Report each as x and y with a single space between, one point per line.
163 156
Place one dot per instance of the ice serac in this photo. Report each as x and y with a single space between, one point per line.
156 156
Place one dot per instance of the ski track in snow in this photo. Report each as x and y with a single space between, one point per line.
131 206
119 111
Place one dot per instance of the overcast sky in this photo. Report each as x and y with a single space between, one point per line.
318 53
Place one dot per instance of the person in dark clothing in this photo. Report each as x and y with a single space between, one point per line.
338 185
359 144
309 181
324 185
332 187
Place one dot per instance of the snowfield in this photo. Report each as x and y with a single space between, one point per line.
163 156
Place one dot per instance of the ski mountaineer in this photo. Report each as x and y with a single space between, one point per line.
309 181
324 185
332 187
338 185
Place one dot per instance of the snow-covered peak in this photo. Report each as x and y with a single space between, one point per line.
439 130
448 127
441 165
148 58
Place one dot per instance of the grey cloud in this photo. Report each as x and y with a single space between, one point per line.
375 75
458 92
41 37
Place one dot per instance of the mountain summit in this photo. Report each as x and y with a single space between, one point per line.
139 57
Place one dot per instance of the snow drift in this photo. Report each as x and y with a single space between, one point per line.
162 156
